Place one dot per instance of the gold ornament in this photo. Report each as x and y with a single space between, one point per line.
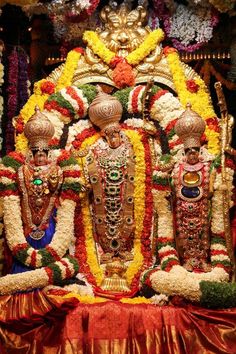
39 130
190 127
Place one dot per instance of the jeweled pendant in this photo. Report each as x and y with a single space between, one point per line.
191 178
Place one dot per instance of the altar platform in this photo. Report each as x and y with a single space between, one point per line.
36 323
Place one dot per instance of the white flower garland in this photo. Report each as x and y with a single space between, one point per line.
76 129
33 279
183 283
190 24
15 234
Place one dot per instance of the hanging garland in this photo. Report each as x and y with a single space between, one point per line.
1 98
195 92
123 74
42 90
12 97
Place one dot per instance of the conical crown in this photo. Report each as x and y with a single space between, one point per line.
38 130
105 110
190 127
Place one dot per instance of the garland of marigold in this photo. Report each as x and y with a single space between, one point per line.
199 100
134 58
41 94
69 69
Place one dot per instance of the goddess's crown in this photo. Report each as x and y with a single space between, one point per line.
190 127
39 130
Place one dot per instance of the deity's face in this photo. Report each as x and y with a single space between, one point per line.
40 158
192 156
113 137
124 31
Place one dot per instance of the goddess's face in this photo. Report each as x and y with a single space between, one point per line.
40 158
192 156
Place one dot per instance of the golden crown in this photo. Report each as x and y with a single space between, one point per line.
39 130
190 127
105 110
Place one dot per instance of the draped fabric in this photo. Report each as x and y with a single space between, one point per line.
38 324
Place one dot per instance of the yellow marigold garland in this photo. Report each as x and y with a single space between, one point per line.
98 46
37 98
91 253
139 202
134 58
68 70
200 100
149 44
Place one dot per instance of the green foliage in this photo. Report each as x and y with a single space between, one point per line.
218 295
123 97
76 187
89 91
9 161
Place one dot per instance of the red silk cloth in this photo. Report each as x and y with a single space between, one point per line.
48 325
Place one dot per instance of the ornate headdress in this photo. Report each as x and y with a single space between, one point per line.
105 110
39 130
190 127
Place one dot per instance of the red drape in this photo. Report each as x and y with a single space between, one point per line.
48 325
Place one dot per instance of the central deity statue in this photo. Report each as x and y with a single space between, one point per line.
146 195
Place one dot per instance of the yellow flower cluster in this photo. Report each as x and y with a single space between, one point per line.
27 111
149 44
98 47
200 100
68 70
39 98
139 202
134 58
90 248
136 300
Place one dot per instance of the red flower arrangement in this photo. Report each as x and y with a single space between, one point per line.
47 87
123 75
192 86
79 50
19 125
213 124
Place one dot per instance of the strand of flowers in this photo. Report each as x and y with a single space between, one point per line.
54 273
135 57
195 93
123 75
219 253
1 98
12 98
178 281
17 242
42 90
23 79
69 68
